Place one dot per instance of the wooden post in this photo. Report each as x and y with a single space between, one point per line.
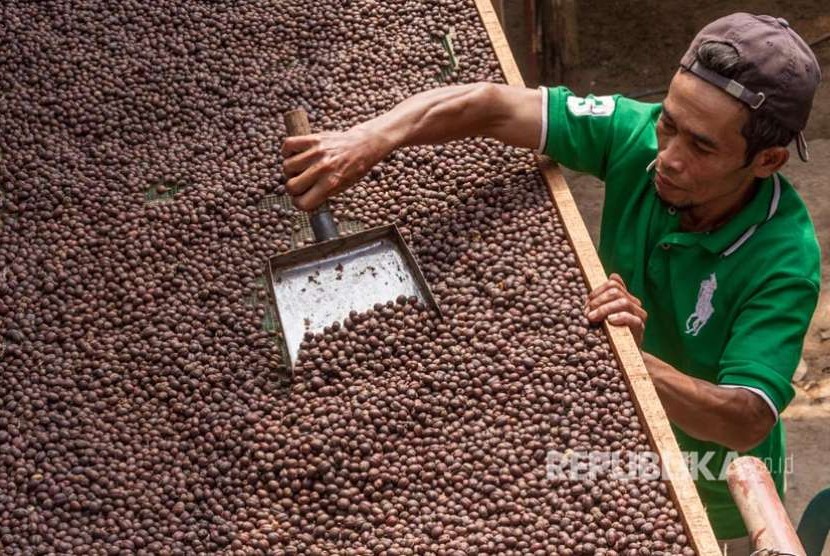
649 409
560 38
498 6
534 41
764 515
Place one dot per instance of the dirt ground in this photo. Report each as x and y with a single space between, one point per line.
633 46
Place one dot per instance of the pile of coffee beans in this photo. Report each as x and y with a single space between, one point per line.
413 434
142 405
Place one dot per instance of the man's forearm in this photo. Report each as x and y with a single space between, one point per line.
324 164
449 113
732 417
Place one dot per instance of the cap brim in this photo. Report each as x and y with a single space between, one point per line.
801 145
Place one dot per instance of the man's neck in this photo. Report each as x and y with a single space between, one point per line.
713 215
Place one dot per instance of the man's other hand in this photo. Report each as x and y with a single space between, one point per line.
324 164
613 302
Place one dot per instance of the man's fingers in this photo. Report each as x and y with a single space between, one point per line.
298 185
614 281
619 305
297 163
609 290
634 323
613 288
616 306
293 145
625 319
612 302
607 295
312 198
603 288
617 278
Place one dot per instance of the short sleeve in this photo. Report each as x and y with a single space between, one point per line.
766 340
578 130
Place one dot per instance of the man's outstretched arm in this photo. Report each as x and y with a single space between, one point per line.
323 164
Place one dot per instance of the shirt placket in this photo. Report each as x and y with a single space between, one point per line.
669 249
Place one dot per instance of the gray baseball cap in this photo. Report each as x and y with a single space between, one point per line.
779 73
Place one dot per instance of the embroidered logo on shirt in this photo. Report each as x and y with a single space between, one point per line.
703 307
591 106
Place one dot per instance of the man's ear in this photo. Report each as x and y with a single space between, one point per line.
769 161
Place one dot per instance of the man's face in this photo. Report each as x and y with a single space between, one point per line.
700 161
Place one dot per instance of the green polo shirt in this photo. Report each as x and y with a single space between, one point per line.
729 306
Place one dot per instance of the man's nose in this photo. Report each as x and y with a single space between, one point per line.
671 158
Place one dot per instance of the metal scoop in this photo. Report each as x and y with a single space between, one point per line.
314 286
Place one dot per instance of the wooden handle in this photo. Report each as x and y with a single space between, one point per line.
320 219
296 121
764 515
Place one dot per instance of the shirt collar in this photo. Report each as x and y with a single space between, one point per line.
731 236
736 232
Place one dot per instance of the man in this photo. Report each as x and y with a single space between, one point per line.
705 241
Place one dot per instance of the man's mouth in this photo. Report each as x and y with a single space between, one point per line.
664 183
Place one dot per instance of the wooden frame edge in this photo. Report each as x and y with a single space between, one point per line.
649 408
648 405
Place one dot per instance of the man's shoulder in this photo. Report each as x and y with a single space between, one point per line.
635 138
791 227
594 133
594 105
786 244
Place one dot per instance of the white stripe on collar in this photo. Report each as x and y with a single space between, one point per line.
776 196
773 207
543 135
741 240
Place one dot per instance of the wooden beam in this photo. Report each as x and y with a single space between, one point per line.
498 6
560 38
533 41
649 408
